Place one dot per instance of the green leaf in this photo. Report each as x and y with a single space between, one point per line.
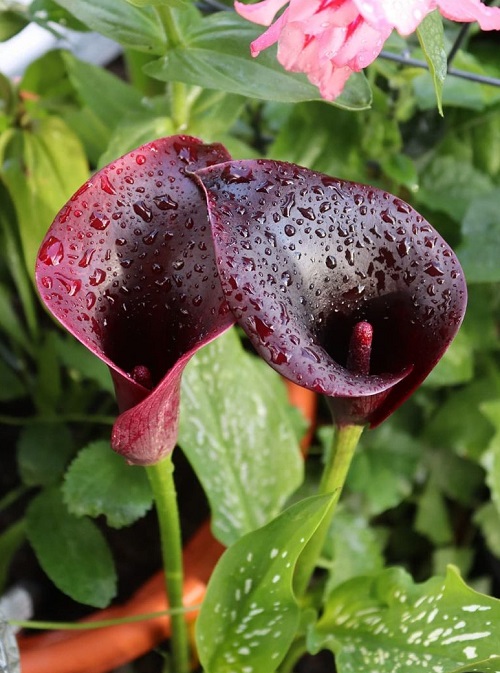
249 616
488 520
490 665
238 437
481 239
42 167
43 451
109 97
449 185
11 23
431 37
457 364
383 468
134 27
491 458
215 54
99 482
12 387
432 519
10 322
72 551
10 540
352 548
133 131
458 423
389 624
78 358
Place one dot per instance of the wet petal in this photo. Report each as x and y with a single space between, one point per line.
303 258
128 268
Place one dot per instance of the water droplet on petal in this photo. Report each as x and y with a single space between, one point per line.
140 159
106 185
331 262
52 252
143 211
97 277
98 221
165 202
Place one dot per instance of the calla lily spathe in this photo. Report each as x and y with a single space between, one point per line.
342 288
128 268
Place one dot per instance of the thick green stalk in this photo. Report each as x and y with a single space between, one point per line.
334 475
161 477
179 105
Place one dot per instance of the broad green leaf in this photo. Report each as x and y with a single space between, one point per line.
488 520
46 13
10 540
491 458
449 185
79 359
431 37
72 551
42 167
99 482
490 665
133 131
236 432
43 450
458 423
109 97
457 364
352 548
11 23
481 239
134 27
432 518
215 54
388 624
249 615
383 468
12 387
10 322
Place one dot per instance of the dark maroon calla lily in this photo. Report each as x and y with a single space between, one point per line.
128 268
342 288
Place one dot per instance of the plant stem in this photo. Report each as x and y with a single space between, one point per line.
179 107
345 441
161 477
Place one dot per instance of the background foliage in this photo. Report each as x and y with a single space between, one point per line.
424 490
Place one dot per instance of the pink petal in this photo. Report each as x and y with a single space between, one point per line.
269 37
471 10
262 13
404 16
362 46
321 15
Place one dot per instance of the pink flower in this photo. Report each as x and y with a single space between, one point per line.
328 40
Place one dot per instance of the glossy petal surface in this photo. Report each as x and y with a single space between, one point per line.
128 268
304 257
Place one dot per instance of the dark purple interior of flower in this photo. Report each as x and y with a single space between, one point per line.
128 264
304 257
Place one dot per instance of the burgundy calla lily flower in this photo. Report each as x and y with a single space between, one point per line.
128 268
341 287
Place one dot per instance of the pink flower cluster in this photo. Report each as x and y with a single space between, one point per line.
328 40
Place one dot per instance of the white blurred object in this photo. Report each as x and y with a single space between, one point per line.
16 603
34 41
9 652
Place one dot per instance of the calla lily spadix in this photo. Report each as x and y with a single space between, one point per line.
342 288
128 268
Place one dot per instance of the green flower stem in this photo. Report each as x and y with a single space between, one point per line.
101 624
178 91
334 475
161 477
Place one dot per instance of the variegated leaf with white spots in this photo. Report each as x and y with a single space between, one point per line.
238 432
250 616
388 624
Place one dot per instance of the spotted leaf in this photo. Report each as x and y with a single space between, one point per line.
388 624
